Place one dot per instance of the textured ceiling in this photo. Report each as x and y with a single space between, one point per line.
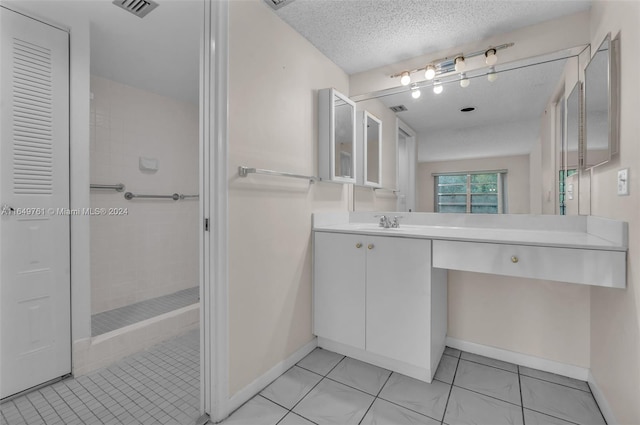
359 35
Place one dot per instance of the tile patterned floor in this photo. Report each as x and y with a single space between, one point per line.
327 388
157 386
160 386
108 321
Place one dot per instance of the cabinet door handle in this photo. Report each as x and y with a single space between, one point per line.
514 259
370 246
358 245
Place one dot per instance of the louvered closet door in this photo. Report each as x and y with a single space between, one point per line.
35 334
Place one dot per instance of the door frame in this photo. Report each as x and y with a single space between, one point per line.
214 323
413 146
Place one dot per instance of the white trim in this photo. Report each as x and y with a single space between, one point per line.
552 366
215 185
412 143
245 394
603 404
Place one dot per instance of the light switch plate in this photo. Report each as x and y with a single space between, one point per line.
623 182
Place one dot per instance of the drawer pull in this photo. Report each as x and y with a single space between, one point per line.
370 246
358 245
514 259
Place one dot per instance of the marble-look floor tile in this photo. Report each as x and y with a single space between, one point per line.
489 381
320 361
334 403
291 387
469 408
446 369
452 352
557 379
490 362
428 399
257 411
293 419
537 418
360 375
384 413
560 401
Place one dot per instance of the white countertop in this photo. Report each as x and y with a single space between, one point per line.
548 238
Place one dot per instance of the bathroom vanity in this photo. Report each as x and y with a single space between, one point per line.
380 294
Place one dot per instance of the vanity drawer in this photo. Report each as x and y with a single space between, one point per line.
585 266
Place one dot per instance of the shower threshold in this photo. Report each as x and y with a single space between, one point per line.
117 318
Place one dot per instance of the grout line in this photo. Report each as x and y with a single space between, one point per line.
35 408
486 395
562 385
596 401
521 400
488 365
375 398
450 389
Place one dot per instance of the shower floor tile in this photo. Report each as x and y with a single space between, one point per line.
157 386
111 320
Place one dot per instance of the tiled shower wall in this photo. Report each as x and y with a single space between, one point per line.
150 248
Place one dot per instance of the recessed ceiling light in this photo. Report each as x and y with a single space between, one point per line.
468 109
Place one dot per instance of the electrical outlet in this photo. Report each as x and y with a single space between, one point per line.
623 182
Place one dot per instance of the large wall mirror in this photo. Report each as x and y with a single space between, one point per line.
506 120
601 104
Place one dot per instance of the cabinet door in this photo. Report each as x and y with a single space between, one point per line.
398 299
339 288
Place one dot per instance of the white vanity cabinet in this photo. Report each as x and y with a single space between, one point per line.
377 299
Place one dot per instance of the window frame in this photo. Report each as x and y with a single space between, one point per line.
500 185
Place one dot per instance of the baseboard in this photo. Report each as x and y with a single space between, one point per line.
604 405
527 360
245 394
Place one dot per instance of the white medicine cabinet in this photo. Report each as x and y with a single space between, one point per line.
369 136
337 157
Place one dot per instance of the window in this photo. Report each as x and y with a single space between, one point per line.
471 192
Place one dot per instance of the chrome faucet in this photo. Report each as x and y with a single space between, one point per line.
396 222
384 222
387 223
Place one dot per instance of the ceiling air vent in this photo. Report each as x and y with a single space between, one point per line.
277 4
398 108
140 8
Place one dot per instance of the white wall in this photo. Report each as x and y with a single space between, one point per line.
517 179
615 314
152 250
274 77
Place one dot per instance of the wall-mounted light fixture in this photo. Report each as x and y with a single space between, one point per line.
415 91
456 63
464 81
492 75
437 87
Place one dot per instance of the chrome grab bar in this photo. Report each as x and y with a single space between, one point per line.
244 171
117 187
175 196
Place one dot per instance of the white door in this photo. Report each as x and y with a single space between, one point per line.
35 334
406 174
339 288
399 299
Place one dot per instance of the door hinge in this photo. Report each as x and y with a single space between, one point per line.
206 224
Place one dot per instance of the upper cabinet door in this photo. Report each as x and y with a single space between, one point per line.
369 150
336 136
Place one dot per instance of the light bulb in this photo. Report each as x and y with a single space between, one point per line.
492 76
405 78
459 63
415 93
437 87
464 81
430 72
491 57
